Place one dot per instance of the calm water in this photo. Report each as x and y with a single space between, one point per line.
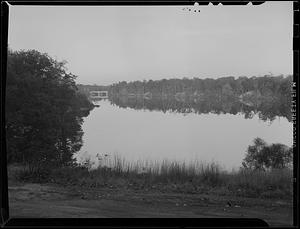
140 132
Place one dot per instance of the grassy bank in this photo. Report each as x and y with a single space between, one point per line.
167 176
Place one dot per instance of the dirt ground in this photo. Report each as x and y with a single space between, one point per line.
47 201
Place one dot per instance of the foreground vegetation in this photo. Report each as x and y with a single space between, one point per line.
195 177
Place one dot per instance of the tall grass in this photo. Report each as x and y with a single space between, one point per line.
192 177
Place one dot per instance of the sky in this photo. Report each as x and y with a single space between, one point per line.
108 44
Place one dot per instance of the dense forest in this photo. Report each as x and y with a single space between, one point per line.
197 88
44 111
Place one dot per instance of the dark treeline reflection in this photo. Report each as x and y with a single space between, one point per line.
267 96
266 109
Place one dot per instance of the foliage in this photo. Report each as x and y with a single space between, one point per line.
227 86
269 96
43 116
194 177
262 156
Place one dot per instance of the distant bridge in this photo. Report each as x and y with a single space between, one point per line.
98 94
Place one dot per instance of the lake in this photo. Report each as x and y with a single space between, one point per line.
157 130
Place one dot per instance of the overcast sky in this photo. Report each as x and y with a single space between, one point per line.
104 45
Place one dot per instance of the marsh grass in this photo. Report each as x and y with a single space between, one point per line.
192 177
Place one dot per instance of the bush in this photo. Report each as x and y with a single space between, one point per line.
35 174
262 156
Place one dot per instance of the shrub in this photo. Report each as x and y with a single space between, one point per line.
32 174
262 156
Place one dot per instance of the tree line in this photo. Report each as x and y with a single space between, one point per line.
269 96
267 85
44 110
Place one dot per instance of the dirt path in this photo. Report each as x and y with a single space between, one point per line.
35 200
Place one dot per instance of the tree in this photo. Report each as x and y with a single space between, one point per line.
278 156
43 116
262 156
227 89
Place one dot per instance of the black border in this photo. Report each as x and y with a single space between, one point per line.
4 208
131 2
7 222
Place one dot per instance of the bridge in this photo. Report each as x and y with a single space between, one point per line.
98 94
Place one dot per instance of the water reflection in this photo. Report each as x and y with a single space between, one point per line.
156 129
266 109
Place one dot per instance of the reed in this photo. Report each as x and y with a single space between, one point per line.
189 177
